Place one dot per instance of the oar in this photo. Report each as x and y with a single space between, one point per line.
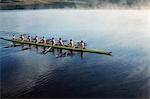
48 49
11 46
25 48
8 46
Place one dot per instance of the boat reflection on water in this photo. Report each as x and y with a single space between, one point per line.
30 46
81 55
22 46
58 53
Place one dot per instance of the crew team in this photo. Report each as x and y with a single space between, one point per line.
52 41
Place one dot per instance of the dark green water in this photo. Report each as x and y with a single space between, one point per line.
126 74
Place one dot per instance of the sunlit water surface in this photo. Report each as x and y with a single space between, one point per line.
126 33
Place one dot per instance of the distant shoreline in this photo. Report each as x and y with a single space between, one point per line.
67 5
100 8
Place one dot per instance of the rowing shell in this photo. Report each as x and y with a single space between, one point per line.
59 47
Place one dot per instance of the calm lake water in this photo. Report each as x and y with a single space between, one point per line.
125 74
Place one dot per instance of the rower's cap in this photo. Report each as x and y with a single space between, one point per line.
52 37
70 39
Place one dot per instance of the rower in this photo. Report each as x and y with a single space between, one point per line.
14 37
82 44
36 40
44 40
22 38
60 41
52 41
70 43
29 39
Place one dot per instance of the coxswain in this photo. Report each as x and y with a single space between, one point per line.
14 37
29 39
22 38
44 40
60 41
52 41
70 43
36 40
82 44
